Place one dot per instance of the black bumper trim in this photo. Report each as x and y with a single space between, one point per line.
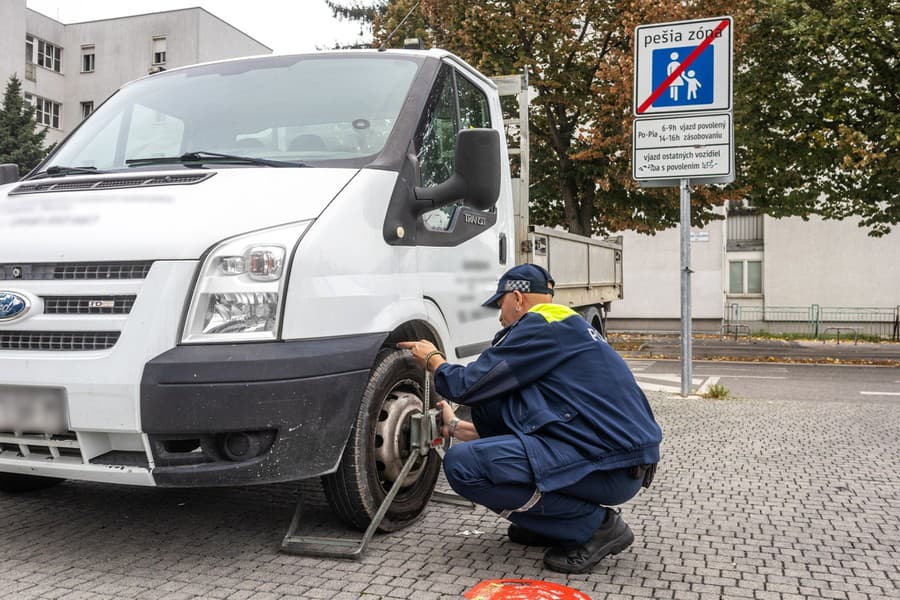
267 361
308 392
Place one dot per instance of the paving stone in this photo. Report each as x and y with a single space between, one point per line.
753 500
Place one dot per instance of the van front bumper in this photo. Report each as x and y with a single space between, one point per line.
288 406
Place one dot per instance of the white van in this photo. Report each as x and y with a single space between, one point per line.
204 283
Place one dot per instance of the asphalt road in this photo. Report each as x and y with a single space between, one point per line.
763 381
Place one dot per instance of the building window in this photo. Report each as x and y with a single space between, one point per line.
48 55
86 109
745 277
46 112
29 58
87 59
159 50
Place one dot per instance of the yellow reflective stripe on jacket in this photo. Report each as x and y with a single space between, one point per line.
553 312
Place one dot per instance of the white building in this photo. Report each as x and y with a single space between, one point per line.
69 69
781 275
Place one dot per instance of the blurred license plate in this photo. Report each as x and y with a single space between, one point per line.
33 409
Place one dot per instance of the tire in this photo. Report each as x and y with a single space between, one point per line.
594 316
13 483
375 450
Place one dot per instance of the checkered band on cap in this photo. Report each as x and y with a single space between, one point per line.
518 285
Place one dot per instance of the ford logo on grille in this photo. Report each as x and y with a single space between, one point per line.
13 306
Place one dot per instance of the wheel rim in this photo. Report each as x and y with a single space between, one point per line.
392 431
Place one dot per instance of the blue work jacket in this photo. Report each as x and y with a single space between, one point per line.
554 382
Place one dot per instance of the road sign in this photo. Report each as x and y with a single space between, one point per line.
698 147
683 67
699 236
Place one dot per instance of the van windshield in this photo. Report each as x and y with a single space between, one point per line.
291 108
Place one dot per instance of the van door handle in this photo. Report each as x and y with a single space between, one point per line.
502 248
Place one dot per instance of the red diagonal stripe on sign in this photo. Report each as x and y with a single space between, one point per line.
684 65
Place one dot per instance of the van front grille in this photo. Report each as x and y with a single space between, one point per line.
88 305
40 447
84 271
51 340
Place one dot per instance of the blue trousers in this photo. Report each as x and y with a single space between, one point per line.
495 473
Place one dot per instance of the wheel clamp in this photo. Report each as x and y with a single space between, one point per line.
425 435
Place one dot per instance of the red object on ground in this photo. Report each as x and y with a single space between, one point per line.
523 589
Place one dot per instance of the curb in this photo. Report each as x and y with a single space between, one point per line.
771 360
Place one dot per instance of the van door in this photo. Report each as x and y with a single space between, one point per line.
461 250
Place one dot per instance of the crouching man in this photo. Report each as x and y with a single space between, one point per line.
560 429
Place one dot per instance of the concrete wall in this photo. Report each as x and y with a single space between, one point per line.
48 83
652 276
830 263
12 41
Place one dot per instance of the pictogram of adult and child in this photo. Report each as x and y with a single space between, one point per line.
692 85
689 79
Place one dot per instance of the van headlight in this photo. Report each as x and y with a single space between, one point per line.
239 292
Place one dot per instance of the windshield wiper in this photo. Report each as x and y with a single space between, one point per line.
58 171
202 157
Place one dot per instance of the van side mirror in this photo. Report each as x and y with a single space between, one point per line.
9 173
476 174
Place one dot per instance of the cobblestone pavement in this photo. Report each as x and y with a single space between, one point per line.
754 499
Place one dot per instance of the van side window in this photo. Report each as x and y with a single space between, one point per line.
439 133
455 104
473 105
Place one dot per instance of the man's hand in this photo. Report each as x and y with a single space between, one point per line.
464 430
420 350
447 415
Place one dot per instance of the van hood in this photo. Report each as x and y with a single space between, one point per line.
156 222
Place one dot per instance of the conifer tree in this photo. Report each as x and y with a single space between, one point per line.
20 141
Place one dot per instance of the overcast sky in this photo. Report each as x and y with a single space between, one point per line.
283 25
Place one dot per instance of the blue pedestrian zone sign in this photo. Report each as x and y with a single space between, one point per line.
694 86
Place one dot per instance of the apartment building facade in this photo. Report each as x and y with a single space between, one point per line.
67 70
760 273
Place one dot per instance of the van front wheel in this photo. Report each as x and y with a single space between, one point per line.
379 446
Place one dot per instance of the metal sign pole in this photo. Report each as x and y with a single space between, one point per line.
686 350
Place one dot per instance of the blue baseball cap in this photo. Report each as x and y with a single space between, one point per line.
527 278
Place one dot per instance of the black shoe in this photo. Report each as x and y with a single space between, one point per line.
613 536
526 537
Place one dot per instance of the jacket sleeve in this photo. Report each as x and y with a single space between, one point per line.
529 351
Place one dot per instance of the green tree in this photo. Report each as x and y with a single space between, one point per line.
579 55
356 10
816 110
20 142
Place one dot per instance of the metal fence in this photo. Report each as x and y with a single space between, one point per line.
817 321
